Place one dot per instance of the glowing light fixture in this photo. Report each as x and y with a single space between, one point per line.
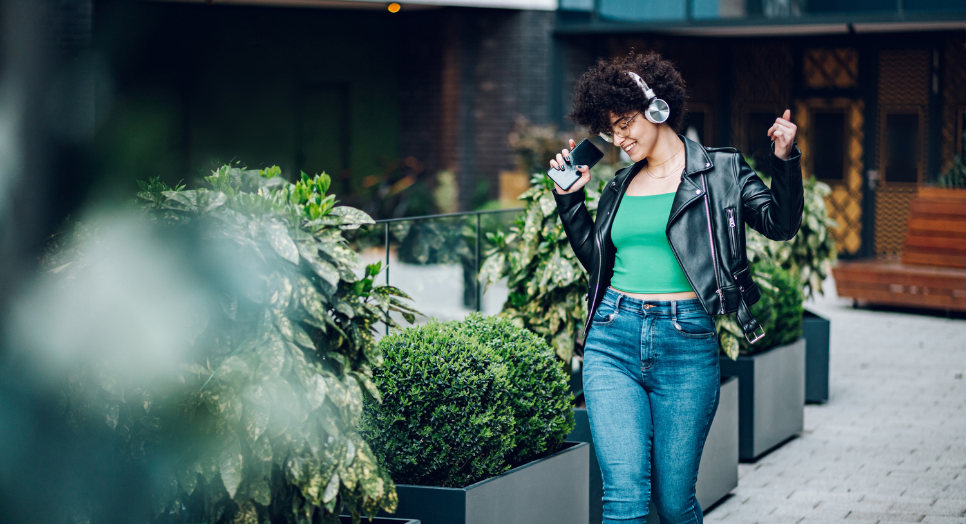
394 7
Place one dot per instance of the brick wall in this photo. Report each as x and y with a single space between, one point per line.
467 73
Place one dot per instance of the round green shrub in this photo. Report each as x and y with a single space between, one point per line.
538 387
445 417
466 400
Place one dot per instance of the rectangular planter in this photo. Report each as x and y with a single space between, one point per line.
551 489
377 520
717 473
815 331
771 397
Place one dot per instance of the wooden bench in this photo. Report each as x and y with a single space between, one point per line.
932 270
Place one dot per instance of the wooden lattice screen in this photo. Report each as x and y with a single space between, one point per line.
903 85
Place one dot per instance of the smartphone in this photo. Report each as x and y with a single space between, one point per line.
585 154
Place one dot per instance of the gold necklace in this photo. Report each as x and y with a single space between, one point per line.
669 172
670 157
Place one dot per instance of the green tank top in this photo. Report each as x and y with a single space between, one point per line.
644 262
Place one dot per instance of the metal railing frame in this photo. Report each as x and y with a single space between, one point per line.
479 238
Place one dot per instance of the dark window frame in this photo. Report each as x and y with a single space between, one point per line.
884 113
845 111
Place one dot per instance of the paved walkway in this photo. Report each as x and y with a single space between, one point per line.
890 444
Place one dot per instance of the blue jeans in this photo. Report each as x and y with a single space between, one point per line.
651 381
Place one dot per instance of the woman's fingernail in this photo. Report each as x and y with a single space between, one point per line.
580 166
568 159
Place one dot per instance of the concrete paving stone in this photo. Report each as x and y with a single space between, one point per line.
823 520
886 517
927 509
862 507
952 505
943 520
804 495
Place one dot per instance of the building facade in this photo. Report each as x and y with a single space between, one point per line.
876 88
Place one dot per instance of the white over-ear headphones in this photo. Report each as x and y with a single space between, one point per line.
657 111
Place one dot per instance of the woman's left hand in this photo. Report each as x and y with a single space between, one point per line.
783 134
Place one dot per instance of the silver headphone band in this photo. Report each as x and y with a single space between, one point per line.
648 92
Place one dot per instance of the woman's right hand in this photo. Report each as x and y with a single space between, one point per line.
558 163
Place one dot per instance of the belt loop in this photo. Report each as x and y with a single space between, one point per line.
617 306
674 313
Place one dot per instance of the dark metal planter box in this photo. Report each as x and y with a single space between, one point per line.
718 471
378 520
771 397
815 331
551 489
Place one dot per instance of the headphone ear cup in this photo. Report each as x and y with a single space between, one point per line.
657 112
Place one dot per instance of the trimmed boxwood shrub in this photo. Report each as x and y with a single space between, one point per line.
539 394
466 400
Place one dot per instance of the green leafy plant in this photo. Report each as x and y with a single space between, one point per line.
955 176
261 425
779 312
813 251
546 281
466 400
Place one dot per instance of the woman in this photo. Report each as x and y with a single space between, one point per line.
666 252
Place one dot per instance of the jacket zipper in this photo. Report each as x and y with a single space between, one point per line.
714 259
600 263
731 231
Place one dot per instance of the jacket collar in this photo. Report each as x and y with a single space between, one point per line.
696 157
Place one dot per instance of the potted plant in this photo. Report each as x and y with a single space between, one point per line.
771 372
258 422
472 425
810 255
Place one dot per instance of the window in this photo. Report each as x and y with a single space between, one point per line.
901 147
828 145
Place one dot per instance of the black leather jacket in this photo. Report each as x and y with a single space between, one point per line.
718 194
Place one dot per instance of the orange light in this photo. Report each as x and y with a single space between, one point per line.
394 7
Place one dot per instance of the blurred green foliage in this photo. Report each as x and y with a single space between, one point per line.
261 426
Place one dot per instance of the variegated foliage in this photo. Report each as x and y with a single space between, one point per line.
546 281
812 252
261 426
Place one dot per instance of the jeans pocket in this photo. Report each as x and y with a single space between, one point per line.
605 315
701 326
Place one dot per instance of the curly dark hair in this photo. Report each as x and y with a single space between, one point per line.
606 87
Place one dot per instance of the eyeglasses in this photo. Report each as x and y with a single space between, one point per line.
621 127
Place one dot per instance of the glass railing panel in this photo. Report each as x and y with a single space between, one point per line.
495 295
436 261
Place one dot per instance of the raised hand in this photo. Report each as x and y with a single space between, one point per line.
558 163
782 132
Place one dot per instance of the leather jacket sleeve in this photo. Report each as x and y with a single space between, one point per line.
776 212
577 224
